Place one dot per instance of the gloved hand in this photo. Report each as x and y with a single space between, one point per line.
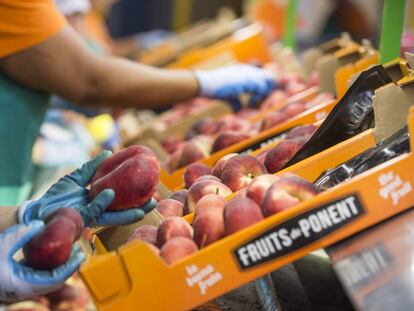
229 82
70 191
19 282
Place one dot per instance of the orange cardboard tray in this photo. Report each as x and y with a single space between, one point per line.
141 280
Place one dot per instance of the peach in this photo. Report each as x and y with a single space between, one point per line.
66 293
240 213
262 156
240 170
246 113
179 195
294 109
174 160
233 123
170 207
146 233
202 188
227 139
302 131
53 246
177 248
191 153
281 154
196 149
240 194
73 215
172 144
254 130
134 182
203 141
272 119
208 226
172 227
286 193
275 99
195 171
218 167
313 78
112 162
204 127
72 296
207 177
289 78
256 190
208 202
79 301
293 88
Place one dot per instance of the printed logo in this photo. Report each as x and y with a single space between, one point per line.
392 187
204 278
298 232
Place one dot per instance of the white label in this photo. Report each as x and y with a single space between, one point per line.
204 278
393 187
320 115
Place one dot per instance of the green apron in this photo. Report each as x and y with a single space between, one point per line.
21 114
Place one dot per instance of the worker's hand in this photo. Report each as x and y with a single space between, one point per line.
230 82
70 191
19 282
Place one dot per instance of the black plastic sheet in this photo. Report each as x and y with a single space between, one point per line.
353 114
388 149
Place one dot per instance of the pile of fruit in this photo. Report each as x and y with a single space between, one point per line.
208 136
216 218
179 111
235 171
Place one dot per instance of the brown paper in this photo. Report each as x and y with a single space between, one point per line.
326 67
391 106
163 191
114 237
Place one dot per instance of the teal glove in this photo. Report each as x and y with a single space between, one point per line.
70 191
19 282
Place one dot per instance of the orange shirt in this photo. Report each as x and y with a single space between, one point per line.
25 23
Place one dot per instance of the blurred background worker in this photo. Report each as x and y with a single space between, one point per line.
95 28
41 55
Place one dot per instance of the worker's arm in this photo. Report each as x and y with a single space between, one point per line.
62 65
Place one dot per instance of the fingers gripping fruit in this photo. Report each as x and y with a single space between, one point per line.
53 246
132 174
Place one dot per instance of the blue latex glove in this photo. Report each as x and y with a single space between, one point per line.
228 83
70 191
19 282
